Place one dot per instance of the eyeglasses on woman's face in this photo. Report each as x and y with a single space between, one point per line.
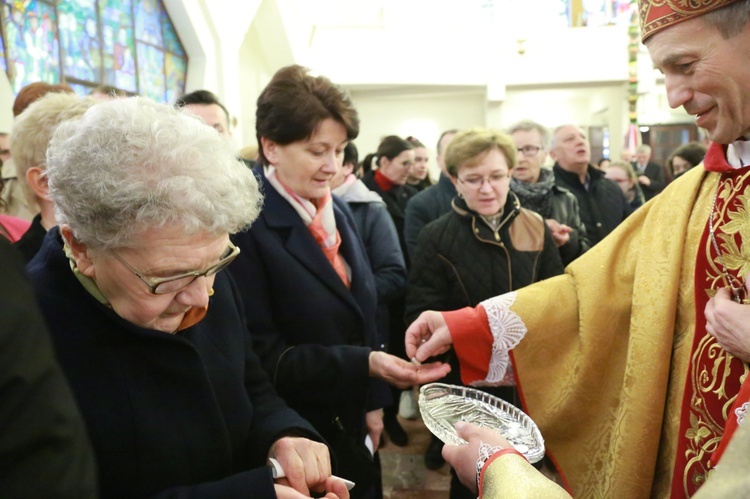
166 285
476 182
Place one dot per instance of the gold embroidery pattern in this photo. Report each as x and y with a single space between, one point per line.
716 373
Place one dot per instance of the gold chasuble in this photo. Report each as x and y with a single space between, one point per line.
629 395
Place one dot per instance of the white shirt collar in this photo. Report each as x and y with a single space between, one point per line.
738 153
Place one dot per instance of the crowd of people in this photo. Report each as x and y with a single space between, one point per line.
192 323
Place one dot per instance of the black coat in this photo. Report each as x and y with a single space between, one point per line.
425 207
655 173
190 414
395 200
313 335
460 261
44 449
602 206
32 239
562 207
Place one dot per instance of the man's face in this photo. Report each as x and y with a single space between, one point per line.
642 157
707 75
213 115
4 147
572 147
440 159
530 161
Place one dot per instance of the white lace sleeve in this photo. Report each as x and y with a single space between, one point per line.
507 330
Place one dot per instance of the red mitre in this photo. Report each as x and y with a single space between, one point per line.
656 15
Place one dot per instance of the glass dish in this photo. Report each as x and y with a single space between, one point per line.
442 406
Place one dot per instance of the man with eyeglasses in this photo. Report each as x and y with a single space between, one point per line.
536 189
602 205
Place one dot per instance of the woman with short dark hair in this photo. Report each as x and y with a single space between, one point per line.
309 292
488 244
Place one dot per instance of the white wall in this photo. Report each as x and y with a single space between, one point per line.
425 116
469 73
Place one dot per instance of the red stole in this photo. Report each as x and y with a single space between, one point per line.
713 379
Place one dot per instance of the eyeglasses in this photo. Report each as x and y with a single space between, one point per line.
494 180
529 151
166 285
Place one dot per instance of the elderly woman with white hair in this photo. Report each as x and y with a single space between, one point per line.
149 332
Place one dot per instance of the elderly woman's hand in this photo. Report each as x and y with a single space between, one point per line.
374 421
403 374
307 464
335 489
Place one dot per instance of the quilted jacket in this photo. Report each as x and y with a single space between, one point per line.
460 261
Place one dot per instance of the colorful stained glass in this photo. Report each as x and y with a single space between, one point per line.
34 51
81 90
171 42
128 44
148 21
3 60
151 72
175 69
119 45
79 34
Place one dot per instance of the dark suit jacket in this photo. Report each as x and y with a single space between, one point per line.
44 449
313 335
32 239
190 414
655 173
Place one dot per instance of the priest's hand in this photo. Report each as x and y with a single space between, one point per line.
729 322
463 458
427 336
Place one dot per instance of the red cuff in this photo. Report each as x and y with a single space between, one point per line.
472 340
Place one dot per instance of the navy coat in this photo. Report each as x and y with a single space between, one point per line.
190 414
313 335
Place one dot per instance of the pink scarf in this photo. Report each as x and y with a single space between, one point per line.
320 221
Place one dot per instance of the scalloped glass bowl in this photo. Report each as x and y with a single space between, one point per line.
442 406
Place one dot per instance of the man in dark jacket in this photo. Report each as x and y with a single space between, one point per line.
431 203
601 202
537 191
650 174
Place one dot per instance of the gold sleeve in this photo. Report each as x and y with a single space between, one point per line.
512 476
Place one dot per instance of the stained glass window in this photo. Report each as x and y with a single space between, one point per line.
604 12
128 44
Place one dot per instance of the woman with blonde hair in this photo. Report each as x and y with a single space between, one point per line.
485 246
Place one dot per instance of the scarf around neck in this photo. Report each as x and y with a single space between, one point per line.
536 197
319 219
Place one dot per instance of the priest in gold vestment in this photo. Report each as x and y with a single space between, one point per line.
630 385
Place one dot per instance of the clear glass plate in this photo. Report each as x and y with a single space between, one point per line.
442 406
